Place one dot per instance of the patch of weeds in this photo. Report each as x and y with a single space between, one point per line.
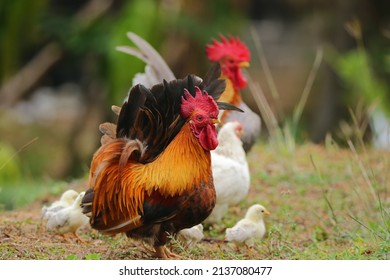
7 252
71 257
228 254
197 252
319 234
122 255
383 252
274 242
56 251
92 256
212 232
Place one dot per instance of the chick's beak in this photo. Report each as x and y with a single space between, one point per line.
243 64
267 212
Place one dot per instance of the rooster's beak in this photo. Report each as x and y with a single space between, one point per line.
243 64
216 121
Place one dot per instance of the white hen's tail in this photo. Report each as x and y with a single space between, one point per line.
156 68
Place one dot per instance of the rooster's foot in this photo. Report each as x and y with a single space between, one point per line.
163 253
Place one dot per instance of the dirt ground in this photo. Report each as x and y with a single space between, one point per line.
23 236
321 204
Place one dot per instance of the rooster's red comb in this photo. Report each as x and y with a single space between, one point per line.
201 100
231 47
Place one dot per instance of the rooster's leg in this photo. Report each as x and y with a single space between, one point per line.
170 254
163 253
160 252
148 250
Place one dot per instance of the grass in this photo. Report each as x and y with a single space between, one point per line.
325 203
19 193
325 198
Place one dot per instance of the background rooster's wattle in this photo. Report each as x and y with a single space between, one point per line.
154 177
233 55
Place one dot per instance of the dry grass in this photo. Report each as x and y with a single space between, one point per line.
326 203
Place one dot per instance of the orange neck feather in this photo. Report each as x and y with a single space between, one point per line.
181 166
230 95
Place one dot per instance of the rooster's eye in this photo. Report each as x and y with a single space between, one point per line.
199 118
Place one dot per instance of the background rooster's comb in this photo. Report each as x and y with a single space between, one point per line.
232 47
201 100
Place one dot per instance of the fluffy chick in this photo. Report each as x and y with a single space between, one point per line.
249 229
190 236
68 219
66 199
230 171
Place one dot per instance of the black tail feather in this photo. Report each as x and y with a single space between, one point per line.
86 202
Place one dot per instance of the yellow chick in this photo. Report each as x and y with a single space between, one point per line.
68 219
190 236
66 199
249 229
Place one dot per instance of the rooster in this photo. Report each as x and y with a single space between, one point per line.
153 178
230 170
233 55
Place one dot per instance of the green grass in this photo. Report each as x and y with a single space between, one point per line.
325 203
21 192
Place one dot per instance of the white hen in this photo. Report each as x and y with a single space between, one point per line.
230 170
66 199
249 229
190 236
68 219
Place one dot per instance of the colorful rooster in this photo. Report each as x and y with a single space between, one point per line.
233 55
154 178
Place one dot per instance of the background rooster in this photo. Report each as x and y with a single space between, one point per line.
233 55
154 177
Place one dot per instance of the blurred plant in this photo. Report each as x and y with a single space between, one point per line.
15 187
19 32
285 134
49 43
143 18
366 92
356 71
9 166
